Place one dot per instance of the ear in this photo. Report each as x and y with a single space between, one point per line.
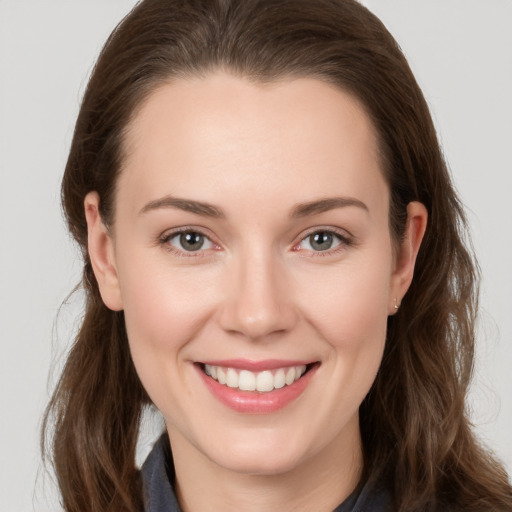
407 252
101 253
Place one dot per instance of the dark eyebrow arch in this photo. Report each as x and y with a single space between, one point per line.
324 205
188 205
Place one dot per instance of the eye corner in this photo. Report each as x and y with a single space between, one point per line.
296 246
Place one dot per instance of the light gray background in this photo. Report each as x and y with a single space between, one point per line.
461 52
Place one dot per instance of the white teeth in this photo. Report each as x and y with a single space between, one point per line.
221 375
232 378
290 376
262 382
265 381
246 381
279 379
210 370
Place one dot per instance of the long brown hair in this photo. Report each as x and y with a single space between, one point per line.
416 435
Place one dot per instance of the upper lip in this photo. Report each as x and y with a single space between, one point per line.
256 366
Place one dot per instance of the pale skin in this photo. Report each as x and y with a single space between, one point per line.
263 158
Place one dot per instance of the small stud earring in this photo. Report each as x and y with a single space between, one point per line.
396 304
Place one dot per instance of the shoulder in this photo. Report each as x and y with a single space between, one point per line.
157 474
370 497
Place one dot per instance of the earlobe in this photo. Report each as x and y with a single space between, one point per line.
407 253
101 253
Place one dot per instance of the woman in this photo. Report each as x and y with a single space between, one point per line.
274 257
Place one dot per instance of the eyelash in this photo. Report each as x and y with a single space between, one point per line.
167 237
345 240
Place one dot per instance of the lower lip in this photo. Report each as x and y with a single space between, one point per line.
253 402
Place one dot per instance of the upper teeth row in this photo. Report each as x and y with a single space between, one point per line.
246 380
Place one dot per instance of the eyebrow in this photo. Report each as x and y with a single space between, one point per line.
324 205
208 210
187 205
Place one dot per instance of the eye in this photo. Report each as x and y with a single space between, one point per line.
321 241
189 241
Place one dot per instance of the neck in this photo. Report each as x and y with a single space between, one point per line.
320 482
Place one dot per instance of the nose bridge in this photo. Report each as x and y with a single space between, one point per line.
259 302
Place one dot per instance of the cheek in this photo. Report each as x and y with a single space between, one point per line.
346 308
159 299
349 305
163 312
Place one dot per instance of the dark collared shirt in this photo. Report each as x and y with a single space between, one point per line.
158 473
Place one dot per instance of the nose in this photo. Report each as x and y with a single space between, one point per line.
259 302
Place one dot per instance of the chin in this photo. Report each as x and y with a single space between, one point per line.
266 457
259 464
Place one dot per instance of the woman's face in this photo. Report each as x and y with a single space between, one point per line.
251 235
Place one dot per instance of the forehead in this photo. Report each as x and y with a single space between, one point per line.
226 132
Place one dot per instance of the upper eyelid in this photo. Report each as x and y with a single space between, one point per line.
342 233
170 233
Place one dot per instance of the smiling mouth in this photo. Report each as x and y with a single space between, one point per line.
262 382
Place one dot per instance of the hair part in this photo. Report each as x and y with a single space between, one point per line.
416 435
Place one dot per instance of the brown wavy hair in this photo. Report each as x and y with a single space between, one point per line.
417 438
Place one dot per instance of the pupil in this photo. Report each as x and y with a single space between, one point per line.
191 241
321 241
